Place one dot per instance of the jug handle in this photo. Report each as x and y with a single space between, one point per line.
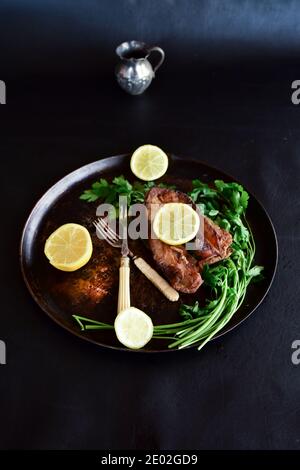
157 49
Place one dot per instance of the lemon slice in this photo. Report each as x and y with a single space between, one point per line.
133 328
176 223
149 163
69 247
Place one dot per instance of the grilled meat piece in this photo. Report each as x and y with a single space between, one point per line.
216 244
179 267
162 196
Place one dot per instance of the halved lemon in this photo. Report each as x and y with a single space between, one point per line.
69 247
133 328
176 223
149 163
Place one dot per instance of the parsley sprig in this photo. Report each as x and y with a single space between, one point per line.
109 193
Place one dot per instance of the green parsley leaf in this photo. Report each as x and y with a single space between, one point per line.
109 193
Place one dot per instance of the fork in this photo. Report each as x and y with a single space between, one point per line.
114 240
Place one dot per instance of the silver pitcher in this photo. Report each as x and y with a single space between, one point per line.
134 72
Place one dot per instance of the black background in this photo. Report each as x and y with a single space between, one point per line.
223 96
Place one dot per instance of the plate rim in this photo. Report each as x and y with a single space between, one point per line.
90 165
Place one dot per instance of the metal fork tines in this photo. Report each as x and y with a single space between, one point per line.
108 233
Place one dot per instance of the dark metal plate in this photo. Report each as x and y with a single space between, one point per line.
62 294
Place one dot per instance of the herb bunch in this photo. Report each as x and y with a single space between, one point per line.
109 193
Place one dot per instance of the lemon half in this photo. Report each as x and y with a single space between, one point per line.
149 163
176 223
133 328
69 247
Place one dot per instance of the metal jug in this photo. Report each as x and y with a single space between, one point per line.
134 72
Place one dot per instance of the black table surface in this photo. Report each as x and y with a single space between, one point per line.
242 390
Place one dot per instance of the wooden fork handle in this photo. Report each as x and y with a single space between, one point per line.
156 279
124 284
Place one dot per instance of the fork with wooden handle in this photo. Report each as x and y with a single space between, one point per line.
124 271
114 240
124 284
